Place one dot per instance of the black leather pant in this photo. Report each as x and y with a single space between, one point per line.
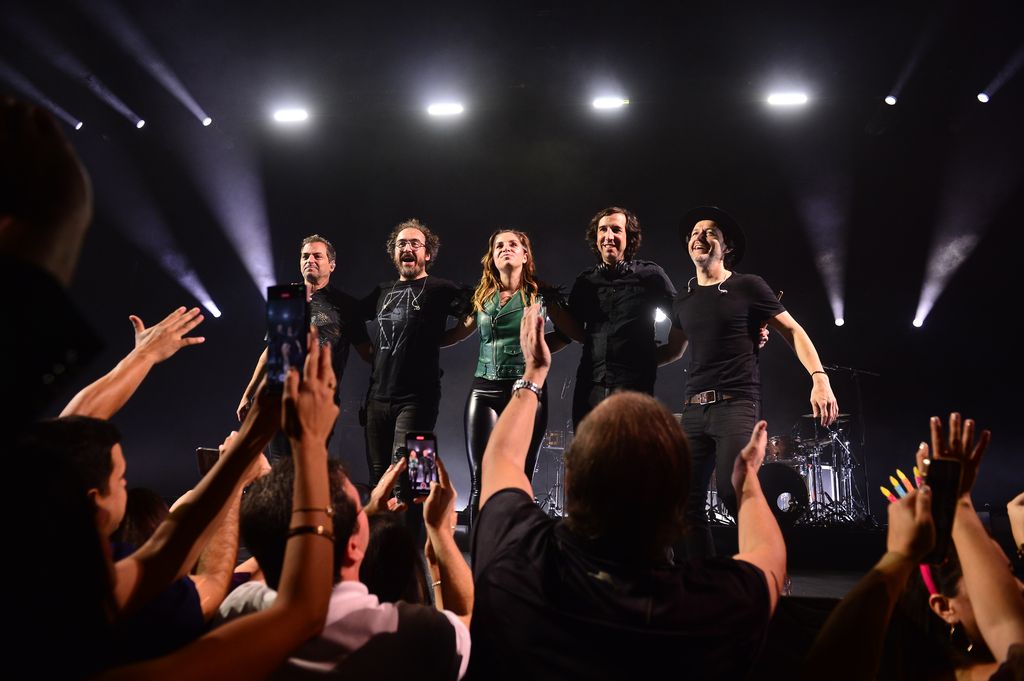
482 410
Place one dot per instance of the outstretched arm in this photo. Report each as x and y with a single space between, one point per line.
105 397
250 387
863 615
460 332
454 574
674 348
760 539
995 595
505 456
823 401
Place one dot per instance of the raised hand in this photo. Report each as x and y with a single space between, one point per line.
911 529
750 458
381 499
309 409
164 339
959 445
437 510
536 353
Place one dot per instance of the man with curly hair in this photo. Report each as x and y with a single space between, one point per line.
614 305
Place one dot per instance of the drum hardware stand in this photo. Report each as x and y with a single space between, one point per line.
855 375
552 502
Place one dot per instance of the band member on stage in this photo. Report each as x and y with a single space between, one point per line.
614 304
508 285
410 314
335 315
718 315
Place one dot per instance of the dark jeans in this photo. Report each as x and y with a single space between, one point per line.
717 432
483 407
386 426
588 395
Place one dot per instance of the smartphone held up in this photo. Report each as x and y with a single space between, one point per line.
287 331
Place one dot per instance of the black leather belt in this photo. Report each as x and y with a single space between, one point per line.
708 397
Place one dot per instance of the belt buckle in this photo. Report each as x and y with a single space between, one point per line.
707 397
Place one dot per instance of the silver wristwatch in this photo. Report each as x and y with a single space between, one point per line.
523 383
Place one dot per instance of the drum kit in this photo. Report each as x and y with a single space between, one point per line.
808 476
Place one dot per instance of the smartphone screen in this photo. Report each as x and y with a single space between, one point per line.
943 476
287 329
422 463
205 458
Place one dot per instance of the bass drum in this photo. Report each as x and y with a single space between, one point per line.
785 491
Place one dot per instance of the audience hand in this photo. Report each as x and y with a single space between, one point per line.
45 194
381 499
309 409
911 529
164 339
959 446
536 353
750 458
762 336
264 418
1015 512
437 510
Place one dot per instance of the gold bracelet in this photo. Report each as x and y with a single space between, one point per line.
318 530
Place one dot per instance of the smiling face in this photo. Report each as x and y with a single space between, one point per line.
315 264
508 252
707 243
410 254
611 238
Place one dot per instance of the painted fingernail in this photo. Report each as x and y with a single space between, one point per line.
922 445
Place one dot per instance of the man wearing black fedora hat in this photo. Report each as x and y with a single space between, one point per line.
719 313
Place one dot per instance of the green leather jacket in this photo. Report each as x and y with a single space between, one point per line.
500 358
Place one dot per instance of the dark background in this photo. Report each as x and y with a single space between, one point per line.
530 153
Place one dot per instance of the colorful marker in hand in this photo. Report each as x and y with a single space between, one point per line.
904 479
889 495
896 486
917 476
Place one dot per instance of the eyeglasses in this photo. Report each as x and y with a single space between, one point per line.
415 244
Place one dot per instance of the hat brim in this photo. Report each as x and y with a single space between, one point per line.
734 235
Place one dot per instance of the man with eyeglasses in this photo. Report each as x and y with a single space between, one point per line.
334 313
408 318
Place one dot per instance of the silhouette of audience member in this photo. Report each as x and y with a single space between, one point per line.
143 513
597 595
392 568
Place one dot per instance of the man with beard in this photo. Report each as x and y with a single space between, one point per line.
410 315
335 315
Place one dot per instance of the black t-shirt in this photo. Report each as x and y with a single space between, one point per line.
616 307
409 318
336 316
549 605
722 329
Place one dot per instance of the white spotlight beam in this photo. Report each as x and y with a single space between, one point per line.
125 33
25 87
36 36
294 115
445 109
787 99
610 102
1006 73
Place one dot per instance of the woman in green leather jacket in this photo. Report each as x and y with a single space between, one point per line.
506 287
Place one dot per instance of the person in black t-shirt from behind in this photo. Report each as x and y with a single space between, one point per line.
597 595
408 316
333 312
613 305
719 314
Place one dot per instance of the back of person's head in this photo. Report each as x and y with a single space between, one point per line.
392 569
626 474
144 512
84 442
65 547
266 515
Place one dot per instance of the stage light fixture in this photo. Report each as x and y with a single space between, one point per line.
140 123
918 323
291 115
787 99
840 321
79 125
610 102
207 121
983 97
445 109
890 100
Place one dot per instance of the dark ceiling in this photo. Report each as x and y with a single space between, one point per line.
531 153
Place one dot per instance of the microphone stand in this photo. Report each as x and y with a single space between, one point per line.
855 375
